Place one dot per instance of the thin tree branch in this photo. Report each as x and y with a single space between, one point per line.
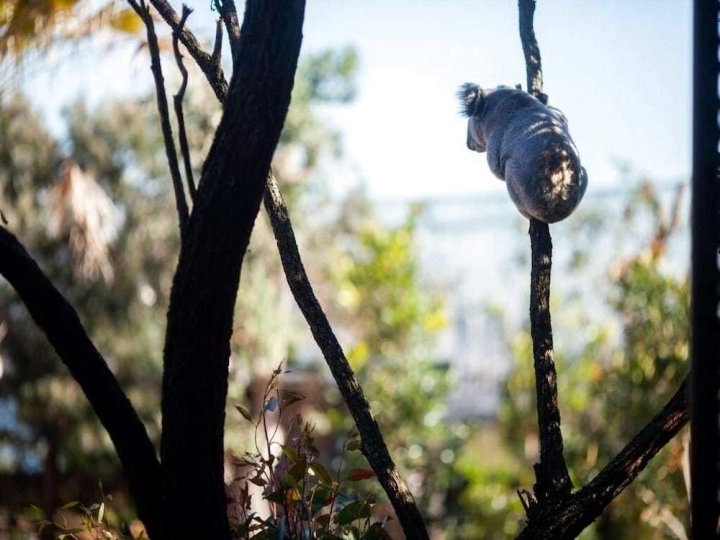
373 444
552 477
531 49
61 325
183 214
212 71
217 47
566 518
178 103
228 12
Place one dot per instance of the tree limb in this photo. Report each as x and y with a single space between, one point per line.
566 518
228 12
61 325
212 71
202 300
552 477
183 213
178 104
373 444
377 453
531 49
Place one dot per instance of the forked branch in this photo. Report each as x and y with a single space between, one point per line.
374 445
143 11
556 512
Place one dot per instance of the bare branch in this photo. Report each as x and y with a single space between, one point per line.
552 477
217 48
228 12
144 12
178 101
213 72
568 517
61 325
531 49
551 473
373 444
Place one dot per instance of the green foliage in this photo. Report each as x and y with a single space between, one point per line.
305 499
77 521
51 207
392 319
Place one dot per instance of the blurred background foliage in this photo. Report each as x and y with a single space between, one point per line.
95 208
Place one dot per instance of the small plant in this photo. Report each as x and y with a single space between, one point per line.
79 522
305 500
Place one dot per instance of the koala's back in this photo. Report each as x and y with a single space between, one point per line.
529 146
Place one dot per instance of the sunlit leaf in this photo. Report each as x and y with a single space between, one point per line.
321 472
353 511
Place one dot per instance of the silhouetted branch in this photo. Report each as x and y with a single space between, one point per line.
178 103
531 49
552 478
143 11
377 453
61 325
373 444
228 12
217 47
212 71
567 517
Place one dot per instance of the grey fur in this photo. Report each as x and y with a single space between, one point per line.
528 145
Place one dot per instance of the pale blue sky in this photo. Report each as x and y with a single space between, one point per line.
619 69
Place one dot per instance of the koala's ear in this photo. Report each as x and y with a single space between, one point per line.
470 96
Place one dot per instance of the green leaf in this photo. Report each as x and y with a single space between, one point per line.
71 504
355 444
276 496
258 481
353 511
289 452
288 397
298 471
101 512
244 412
321 472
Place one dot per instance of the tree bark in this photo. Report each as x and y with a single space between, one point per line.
373 443
61 325
568 517
552 477
202 301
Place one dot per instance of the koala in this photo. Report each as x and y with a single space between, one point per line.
528 145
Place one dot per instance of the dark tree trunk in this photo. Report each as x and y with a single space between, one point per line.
200 317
